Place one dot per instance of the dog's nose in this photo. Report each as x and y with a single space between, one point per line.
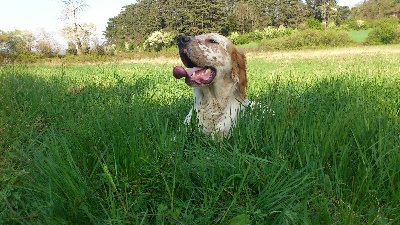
183 39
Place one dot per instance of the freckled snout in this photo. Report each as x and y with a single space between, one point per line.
198 71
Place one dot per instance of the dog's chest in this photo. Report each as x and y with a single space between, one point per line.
216 115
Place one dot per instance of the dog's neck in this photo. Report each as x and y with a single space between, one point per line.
218 94
218 106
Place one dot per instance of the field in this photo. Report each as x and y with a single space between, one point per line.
106 144
359 35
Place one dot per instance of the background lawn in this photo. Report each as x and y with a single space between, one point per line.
359 35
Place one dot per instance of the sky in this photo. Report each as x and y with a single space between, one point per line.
35 14
32 15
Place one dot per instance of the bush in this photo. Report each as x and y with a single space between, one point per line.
385 31
353 24
313 23
6 58
238 39
271 32
255 35
258 35
98 50
45 49
158 40
130 46
71 50
308 39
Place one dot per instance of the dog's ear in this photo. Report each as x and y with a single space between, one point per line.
239 71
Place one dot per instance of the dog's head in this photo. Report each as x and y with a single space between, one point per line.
208 58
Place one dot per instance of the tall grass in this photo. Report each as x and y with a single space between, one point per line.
105 144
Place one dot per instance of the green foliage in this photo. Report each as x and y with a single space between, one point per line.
191 17
238 39
133 24
272 32
71 50
98 50
45 49
258 35
308 39
158 40
322 10
344 13
16 42
353 24
137 21
85 48
375 9
385 31
130 46
313 23
106 144
241 39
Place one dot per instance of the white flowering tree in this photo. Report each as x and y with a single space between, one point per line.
46 43
158 40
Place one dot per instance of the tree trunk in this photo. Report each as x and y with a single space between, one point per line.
77 39
78 47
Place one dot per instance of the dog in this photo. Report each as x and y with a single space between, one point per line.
217 72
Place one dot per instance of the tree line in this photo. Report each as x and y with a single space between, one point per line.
189 17
135 23
376 9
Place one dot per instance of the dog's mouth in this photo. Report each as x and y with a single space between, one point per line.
195 75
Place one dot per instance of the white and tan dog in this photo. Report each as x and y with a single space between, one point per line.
217 71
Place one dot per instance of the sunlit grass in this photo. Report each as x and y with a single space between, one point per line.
252 45
105 144
359 35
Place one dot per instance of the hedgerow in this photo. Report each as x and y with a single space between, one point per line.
308 39
258 35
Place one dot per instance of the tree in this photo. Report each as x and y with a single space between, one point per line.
46 44
16 42
323 10
242 12
375 9
137 21
344 13
289 13
261 16
74 30
134 23
83 35
248 15
71 50
194 16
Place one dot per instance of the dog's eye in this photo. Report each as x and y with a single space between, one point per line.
213 41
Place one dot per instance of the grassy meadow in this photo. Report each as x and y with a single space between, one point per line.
359 36
106 144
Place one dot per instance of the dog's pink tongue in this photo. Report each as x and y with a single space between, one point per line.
180 72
